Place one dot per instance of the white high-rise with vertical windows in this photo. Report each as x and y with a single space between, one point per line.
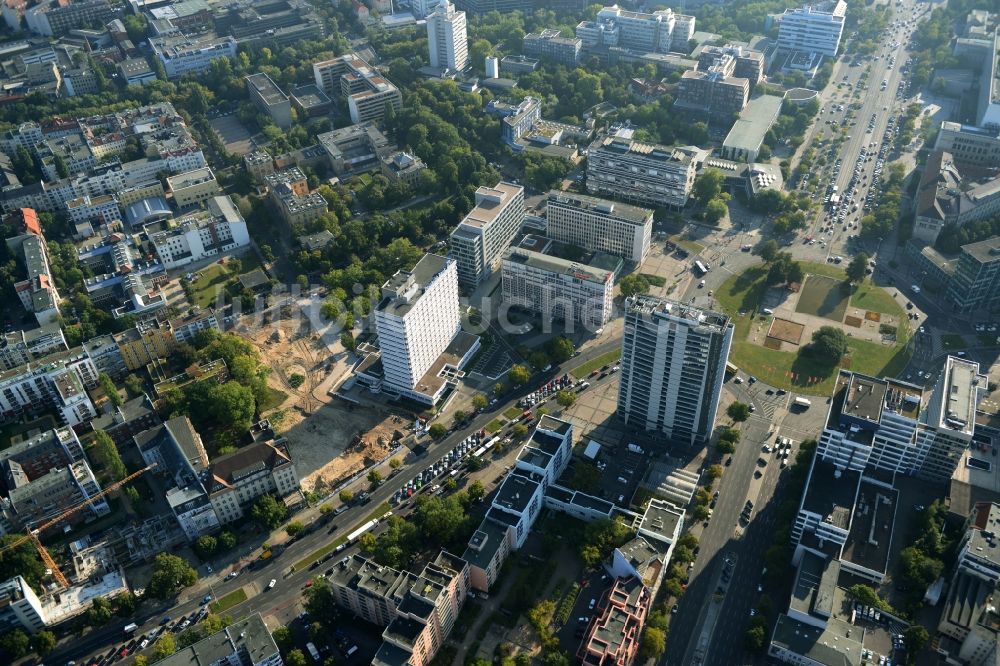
416 320
480 240
447 39
813 28
672 367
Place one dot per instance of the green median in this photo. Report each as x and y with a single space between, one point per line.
228 601
596 363
320 553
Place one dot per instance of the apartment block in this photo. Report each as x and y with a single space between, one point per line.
289 192
813 28
643 173
478 243
367 92
193 187
186 327
246 642
975 283
269 98
125 422
612 637
56 382
216 231
146 342
20 607
672 367
447 40
19 347
557 289
37 291
258 164
237 479
186 55
551 45
662 31
599 225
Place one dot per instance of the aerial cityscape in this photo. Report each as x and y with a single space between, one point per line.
474 332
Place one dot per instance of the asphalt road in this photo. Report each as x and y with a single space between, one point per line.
283 600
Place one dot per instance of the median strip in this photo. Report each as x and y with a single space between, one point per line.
307 561
228 601
596 363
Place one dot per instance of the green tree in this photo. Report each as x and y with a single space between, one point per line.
107 455
99 613
437 431
713 472
858 267
915 638
296 380
565 398
140 660
707 185
170 574
205 546
518 375
294 528
15 643
283 638
227 540
866 595
295 658
268 511
21 561
479 402
738 412
755 639
633 285
374 477
476 491
768 250
654 643
346 496
519 431
133 384
559 349
829 344
165 646
108 385
538 359
459 417
715 210
395 463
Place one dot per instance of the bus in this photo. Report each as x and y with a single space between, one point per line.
313 652
802 402
700 268
130 629
731 368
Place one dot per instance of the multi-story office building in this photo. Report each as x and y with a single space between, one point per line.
947 197
185 55
447 39
289 192
192 187
58 381
247 642
550 45
416 321
270 99
662 31
643 173
713 92
237 479
595 224
355 148
20 607
672 367
478 242
813 28
19 347
748 64
213 232
52 18
557 288
975 284
969 144
367 92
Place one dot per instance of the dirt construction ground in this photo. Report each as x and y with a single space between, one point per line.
328 440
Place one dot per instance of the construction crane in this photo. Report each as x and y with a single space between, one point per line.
32 534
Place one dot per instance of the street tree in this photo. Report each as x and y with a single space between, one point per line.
205 546
294 528
476 491
518 375
654 643
170 574
374 477
15 643
858 267
565 398
346 496
768 250
437 431
633 285
738 412
165 646
268 511
479 402
559 349
715 210
520 431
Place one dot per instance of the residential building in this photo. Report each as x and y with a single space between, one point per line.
289 192
258 164
19 347
662 31
269 98
946 197
193 187
216 231
146 342
58 382
418 326
44 476
237 479
123 423
478 242
186 327
672 367
744 141
418 609
38 291
20 607
969 144
612 637
187 55
975 283
643 173
813 28
596 224
403 167
557 288
355 149
480 7
246 642
447 39
103 351
367 92
550 45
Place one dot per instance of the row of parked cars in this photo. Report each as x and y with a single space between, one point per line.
544 391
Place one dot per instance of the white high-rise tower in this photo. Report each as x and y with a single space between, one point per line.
447 39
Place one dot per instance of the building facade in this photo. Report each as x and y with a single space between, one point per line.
367 92
216 231
550 45
642 173
672 367
57 382
270 99
193 187
662 31
237 479
556 288
447 38
975 284
598 225
813 28
478 243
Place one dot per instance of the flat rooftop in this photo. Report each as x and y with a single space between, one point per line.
404 289
484 544
551 264
660 519
490 201
266 88
830 493
986 251
815 583
870 537
516 491
864 398
620 211
681 312
962 386
984 531
755 120
834 646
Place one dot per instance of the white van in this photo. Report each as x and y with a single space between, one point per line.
768 311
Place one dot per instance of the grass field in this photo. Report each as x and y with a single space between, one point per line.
273 400
823 296
870 297
745 291
655 280
493 426
596 363
512 413
228 601
953 341
689 245
209 280
330 547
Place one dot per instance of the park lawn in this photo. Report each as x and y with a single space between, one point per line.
493 426
304 563
512 413
208 283
953 341
596 363
869 297
228 601
689 245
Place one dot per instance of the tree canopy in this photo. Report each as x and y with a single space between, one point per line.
170 574
829 344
